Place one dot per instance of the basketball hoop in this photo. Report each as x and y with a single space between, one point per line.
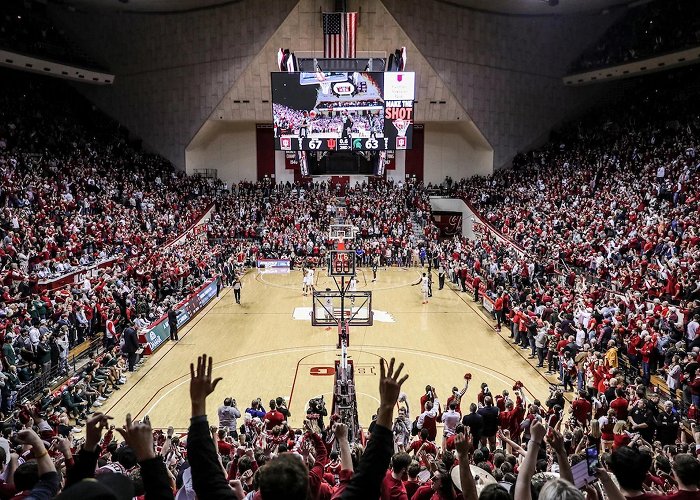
401 126
325 87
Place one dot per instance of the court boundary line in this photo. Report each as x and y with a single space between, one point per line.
500 334
329 348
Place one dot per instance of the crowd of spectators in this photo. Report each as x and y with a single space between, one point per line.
592 263
594 271
612 197
76 196
649 29
291 121
293 221
504 446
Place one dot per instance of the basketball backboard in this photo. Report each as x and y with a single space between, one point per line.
328 308
342 232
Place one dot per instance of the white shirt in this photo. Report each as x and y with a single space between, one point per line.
692 330
34 335
428 413
424 283
450 418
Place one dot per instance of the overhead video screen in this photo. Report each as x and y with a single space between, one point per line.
343 111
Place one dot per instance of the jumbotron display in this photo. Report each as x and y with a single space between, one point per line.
343 111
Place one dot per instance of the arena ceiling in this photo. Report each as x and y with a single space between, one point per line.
540 7
515 7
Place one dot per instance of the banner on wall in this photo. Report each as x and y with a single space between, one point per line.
448 223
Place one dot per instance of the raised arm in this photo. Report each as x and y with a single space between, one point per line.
463 446
47 486
341 434
208 478
86 460
522 485
556 441
139 437
367 480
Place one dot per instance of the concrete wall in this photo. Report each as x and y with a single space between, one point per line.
171 69
229 147
453 149
399 173
175 71
505 70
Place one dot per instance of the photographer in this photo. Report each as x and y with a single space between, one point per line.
556 397
228 413
317 410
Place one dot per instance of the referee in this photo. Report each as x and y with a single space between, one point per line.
237 285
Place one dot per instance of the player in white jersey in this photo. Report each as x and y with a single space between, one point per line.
352 287
424 287
305 282
308 281
328 308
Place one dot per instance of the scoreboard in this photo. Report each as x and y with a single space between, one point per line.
343 111
341 263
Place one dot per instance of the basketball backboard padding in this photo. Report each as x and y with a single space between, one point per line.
329 309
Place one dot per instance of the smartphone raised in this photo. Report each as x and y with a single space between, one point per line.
592 460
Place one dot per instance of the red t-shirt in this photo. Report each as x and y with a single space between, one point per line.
581 409
273 418
620 406
411 487
224 448
393 489
429 447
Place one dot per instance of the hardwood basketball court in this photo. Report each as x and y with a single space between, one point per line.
260 350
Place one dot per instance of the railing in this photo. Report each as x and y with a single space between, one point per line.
59 375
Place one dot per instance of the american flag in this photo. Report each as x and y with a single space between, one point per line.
339 34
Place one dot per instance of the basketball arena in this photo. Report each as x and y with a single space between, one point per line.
339 249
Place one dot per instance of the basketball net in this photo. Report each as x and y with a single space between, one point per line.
325 87
401 126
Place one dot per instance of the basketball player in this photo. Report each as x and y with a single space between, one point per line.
328 307
305 285
375 266
352 287
424 283
304 126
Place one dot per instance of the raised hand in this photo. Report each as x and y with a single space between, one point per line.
555 439
93 429
28 436
139 436
201 384
389 383
537 431
63 445
463 444
341 431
